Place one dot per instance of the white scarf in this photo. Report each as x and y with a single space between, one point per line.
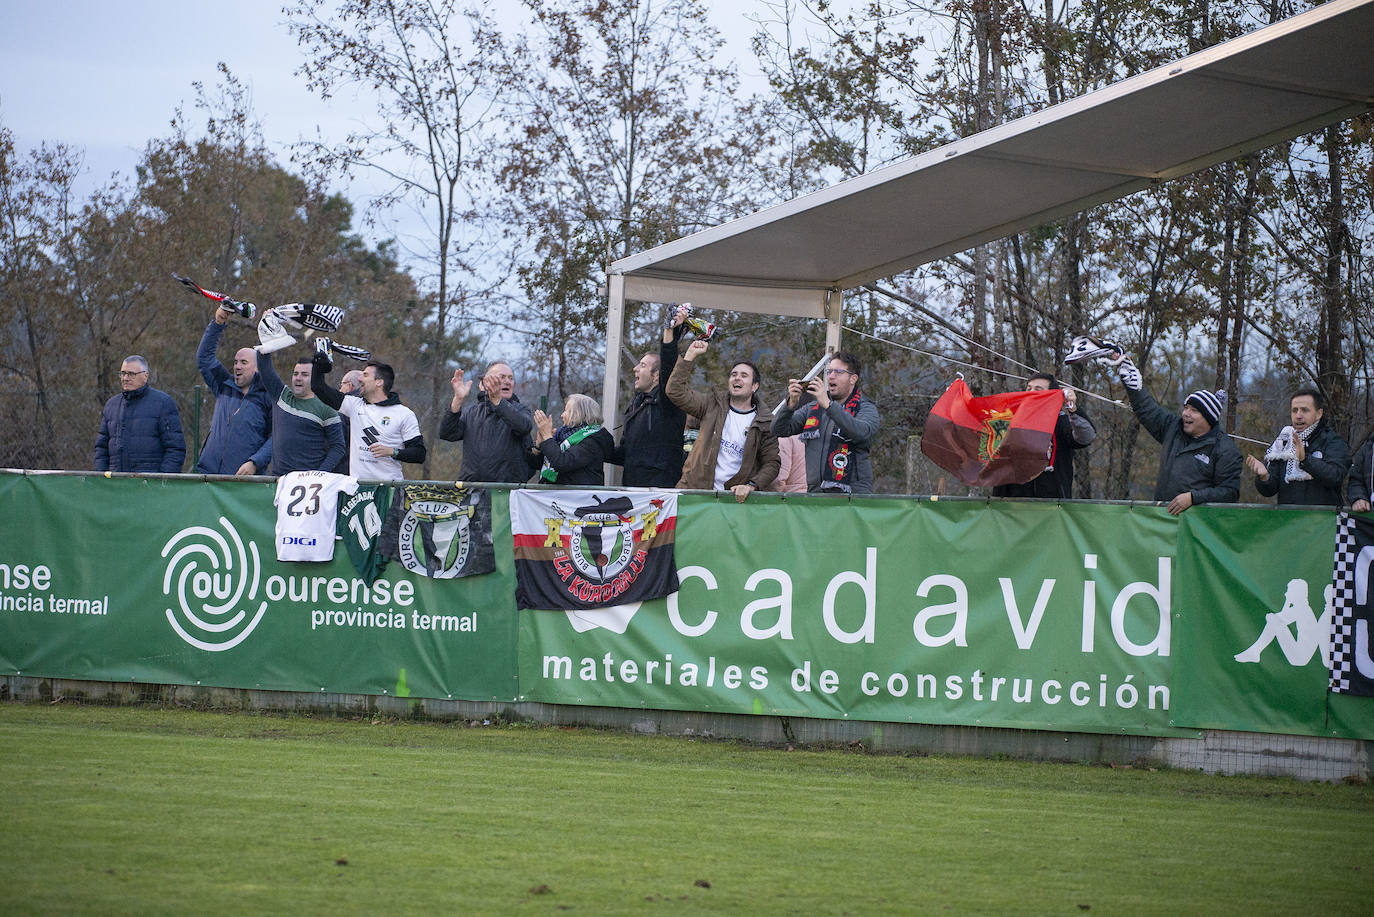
1284 450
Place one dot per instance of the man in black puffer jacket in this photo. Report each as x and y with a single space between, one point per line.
140 428
1308 461
651 439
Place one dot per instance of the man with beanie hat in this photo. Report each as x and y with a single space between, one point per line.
1198 463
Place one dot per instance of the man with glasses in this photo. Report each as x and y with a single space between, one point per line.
837 424
494 430
140 428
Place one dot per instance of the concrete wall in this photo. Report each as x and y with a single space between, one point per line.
1215 751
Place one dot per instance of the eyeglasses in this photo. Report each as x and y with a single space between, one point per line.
127 374
838 372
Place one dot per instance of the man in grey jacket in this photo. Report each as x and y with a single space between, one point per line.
494 430
837 424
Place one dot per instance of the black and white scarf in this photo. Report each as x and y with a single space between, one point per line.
1283 450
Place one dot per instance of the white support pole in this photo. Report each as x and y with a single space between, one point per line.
610 388
834 315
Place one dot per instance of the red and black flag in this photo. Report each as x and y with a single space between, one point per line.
996 439
579 549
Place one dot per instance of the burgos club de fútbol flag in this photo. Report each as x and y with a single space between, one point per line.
579 549
996 439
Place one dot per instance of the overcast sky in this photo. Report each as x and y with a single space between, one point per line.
107 77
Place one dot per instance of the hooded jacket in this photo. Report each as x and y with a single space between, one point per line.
140 431
1207 466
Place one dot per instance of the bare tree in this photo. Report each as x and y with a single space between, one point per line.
431 67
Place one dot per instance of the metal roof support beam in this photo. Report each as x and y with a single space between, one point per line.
834 316
615 336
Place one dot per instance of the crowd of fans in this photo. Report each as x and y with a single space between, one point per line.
818 442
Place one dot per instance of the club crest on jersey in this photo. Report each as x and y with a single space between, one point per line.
435 534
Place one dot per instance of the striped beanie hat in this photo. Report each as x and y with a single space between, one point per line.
1209 404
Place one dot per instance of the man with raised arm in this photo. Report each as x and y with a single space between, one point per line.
1073 430
383 433
241 428
651 438
494 430
307 434
1198 463
735 449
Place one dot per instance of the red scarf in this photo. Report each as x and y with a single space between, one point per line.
839 465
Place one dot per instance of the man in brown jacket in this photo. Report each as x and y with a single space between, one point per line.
736 449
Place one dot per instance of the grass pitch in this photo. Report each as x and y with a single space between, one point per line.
151 811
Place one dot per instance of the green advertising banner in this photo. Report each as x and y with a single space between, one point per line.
1070 617
1255 625
995 614
177 582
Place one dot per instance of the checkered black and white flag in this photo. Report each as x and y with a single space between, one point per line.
1352 617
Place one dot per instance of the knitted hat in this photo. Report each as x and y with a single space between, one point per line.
1209 404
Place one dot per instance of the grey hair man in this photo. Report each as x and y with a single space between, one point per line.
140 428
494 429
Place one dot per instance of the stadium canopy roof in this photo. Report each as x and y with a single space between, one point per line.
1252 92
1249 93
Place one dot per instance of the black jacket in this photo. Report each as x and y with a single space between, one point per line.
1054 483
495 439
1361 483
651 442
1328 459
1207 466
581 464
